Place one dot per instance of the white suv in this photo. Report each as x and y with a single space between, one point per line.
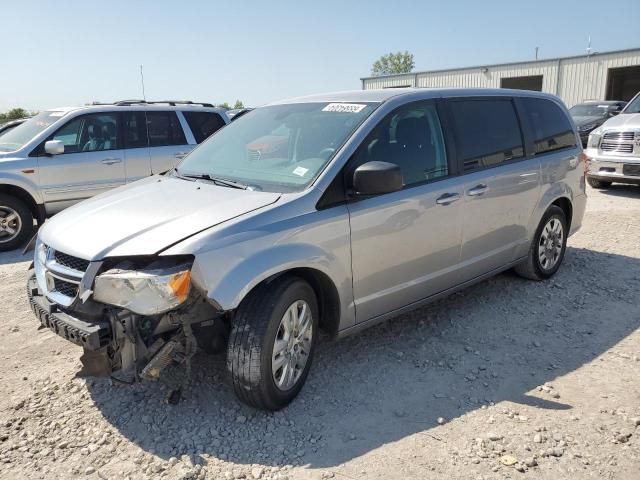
64 155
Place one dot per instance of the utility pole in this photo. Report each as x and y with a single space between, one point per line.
142 81
536 53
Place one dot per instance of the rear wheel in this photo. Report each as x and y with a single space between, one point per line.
595 183
548 246
16 222
272 340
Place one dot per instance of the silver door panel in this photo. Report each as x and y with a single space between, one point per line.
498 203
405 246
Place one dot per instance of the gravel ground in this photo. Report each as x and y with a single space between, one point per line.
507 379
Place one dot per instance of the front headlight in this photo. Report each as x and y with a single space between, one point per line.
146 292
594 140
39 260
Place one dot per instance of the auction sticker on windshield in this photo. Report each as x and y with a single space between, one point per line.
300 171
344 107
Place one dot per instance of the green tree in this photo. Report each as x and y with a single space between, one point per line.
238 104
224 105
401 62
13 114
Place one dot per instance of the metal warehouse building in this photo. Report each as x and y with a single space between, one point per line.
599 76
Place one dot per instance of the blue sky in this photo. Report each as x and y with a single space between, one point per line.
73 52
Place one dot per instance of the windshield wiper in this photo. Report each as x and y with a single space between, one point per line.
218 181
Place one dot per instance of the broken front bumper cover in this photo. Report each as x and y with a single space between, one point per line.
92 335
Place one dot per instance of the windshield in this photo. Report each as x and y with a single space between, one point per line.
590 110
17 137
634 106
279 148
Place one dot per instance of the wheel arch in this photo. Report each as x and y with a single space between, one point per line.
565 204
326 293
37 210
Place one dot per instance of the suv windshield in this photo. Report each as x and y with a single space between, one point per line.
280 148
634 106
16 138
589 110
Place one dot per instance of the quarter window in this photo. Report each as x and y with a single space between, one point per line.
487 132
89 133
203 124
164 129
551 127
410 137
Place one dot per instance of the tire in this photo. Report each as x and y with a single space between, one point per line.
19 228
255 327
533 268
595 183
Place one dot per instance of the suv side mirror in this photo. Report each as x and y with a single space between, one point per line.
54 147
375 178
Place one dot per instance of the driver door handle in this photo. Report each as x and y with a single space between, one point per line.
447 198
478 190
111 161
181 155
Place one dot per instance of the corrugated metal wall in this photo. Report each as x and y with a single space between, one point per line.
574 79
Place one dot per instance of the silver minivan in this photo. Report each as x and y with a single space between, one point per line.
64 155
331 212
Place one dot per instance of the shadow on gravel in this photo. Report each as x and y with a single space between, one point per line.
492 342
618 190
15 256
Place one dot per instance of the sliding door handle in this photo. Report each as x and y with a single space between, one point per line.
447 198
111 161
478 190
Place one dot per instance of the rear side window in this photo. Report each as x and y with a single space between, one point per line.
164 129
135 130
551 127
203 124
487 132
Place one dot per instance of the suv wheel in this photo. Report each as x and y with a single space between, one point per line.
548 246
16 222
272 340
595 183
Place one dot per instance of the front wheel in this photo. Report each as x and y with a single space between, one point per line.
547 248
272 340
16 222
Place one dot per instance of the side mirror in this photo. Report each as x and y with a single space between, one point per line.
375 178
54 147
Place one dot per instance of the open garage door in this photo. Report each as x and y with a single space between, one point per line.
532 82
623 83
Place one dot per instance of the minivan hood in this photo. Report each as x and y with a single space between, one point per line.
631 120
146 217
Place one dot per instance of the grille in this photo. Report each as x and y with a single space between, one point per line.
616 147
619 136
69 261
67 289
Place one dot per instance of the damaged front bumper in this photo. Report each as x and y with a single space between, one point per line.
126 346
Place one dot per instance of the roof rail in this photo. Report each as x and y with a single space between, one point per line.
173 103
168 102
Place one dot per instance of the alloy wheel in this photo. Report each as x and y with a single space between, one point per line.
550 243
10 224
292 345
